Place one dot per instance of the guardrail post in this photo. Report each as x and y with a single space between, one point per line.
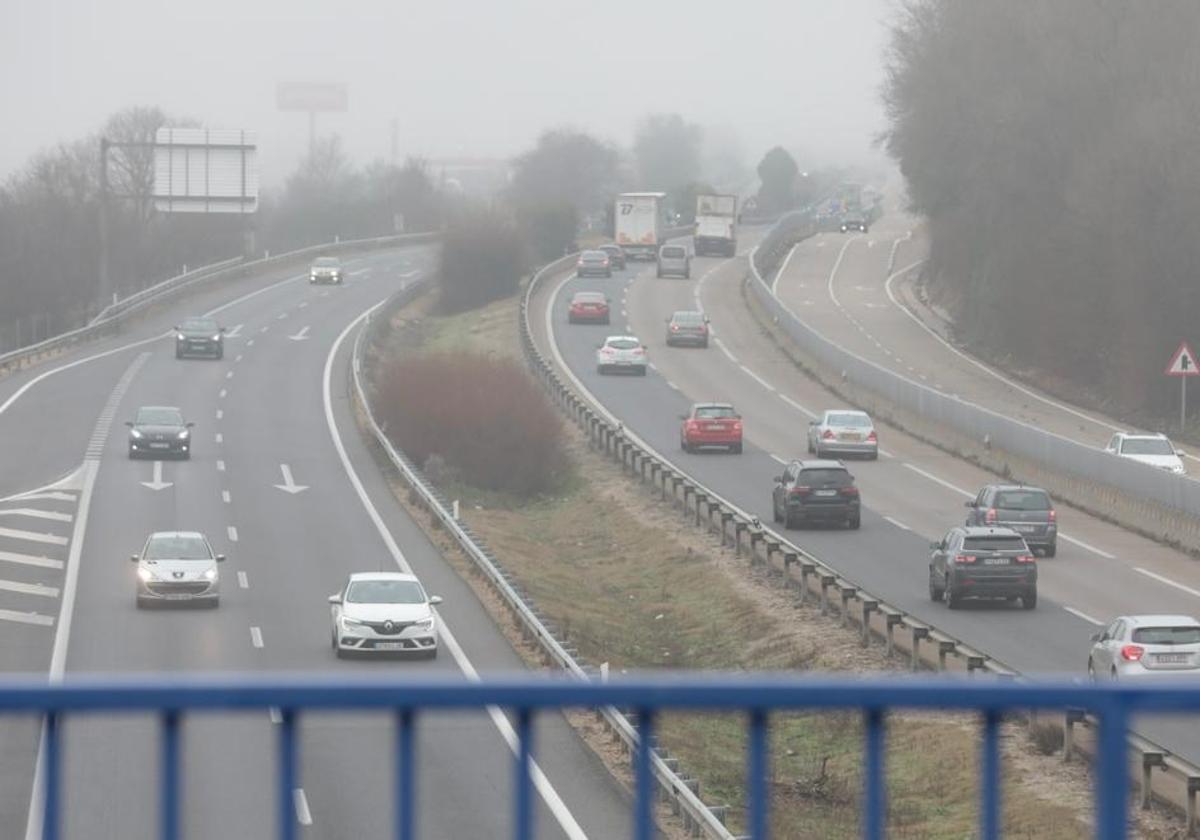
945 646
975 663
1150 760
726 517
755 536
687 491
1073 717
701 499
827 580
666 476
807 567
1193 786
847 592
869 605
738 527
918 633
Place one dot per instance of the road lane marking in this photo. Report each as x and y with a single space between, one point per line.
758 379
219 438
264 329
1083 615
26 618
289 484
243 581
1087 546
782 461
256 638
1167 581
783 268
220 466
229 374
52 515
541 782
721 344
238 358
29 588
250 343
234 331
303 815
275 714
225 497
220 414
222 394
940 481
281 316
302 335
30 560
53 496
156 482
33 536
231 532
898 523
833 273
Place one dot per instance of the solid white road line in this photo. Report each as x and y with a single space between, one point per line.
758 378
29 588
234 331
1086 546
783 268
256 638
219 438
554 803
303 815
940 481
1083 615
52 515
797 406
220 414
33 536
897 523
243 581
26 618
231 532
30 560
728 354
1167 581
222 394
833 271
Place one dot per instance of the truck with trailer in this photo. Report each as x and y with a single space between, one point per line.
716 225
640 223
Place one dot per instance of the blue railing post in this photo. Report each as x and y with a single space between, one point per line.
643 811
523 822
406 821
287 775
169 813
874 792
1112 780
989 813
51 747
757 772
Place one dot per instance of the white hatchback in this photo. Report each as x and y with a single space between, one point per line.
1152 450
623 353
384 612
1146 647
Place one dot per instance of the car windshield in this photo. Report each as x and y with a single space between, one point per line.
824 478
1023 500
200 325
158 417
1146 446
714 412
623 343
851 419
385 592
994 544
595 255
1167 635
588 297
325 262
177 547
673 252
611 249
687 319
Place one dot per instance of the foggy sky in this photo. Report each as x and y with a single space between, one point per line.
460 78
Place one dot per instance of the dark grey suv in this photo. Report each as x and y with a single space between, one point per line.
1026 510
973 562
816 491
199 337
159 430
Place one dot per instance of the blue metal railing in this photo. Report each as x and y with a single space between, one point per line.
757 696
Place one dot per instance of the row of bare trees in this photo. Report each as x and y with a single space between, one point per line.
1053 148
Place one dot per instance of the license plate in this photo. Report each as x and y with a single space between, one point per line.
1171 658
995 561
1026 529
851 436
825 493
177 596
160 446
389 646
715 427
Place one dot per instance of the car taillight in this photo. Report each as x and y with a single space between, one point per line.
691 424
737 425
800 491
1053 516
991 516
674 328
1132 653
703 328
828 435
849 491
1026 558
579 263
638 351
871 437
965 558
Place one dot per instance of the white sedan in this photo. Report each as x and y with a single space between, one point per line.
384 612
843 431
623 353
1143 647
1152 450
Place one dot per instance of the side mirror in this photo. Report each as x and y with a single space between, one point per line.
220 558
1180 453
935 546
644 347
970 503
176 327
814 422
683 417
779 479
706 319
133 557
434 600
1095 637
335 599
129 423
190 425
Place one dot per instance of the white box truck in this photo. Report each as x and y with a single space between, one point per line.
640 223
716 225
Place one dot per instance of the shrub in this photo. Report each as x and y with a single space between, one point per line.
484 416
1047 736
482 258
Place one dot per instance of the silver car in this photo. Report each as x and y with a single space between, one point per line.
594 264
177 566
843 431
623 353
674 259
326 270
383 612
1141 647
687 327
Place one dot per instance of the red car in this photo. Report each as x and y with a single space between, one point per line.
711 424
588 307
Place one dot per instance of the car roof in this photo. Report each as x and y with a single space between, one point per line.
1146 620
361 576
621 337
985 531
176 534
1029 487
821 464
594 252
1146 435
590 294
159 408
712 405
679 312
858 411
610 246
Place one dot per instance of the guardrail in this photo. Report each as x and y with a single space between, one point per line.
756 696
110 318
681 793
809 577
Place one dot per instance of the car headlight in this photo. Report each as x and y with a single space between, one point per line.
134 433
424 624
184 435
216 337
145 574
210 574
180 337
352 622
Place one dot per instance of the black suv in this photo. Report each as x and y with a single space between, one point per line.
1026 510
972 562
816 491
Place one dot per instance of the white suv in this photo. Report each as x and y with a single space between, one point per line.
1153 450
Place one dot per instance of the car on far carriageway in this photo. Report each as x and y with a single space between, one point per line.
199 336
974 562
687 326
591 307
843 431
850 223
1152 450
616 257
711 425
159 430
178 566
1026 510
816 492
326 270
383 612
621 353
1142 647
593 264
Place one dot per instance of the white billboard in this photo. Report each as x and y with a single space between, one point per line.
203 170
312 96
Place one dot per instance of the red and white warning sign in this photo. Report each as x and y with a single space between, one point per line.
1183 363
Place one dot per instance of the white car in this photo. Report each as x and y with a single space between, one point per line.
1154 450
621 353
843 431
178 566
1146 647
384 612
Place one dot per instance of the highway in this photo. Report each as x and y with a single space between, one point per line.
278 399
911 496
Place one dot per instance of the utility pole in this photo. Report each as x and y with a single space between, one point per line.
106 290
395 142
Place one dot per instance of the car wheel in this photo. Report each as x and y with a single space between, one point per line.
600 369
1029 599
935 592
1113 674
687 275
953 598
1091 671
340 653
736 449
606 320
642 371
855 522
683 444
810 446
141 602
570 319
1052 549
221 354
658 274
185 456
178 355
817 451
132 454
790 523
333 640
704 344
213 603
432 654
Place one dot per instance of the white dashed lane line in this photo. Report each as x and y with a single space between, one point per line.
220 414
229 374
243 581
1167 581
225 497
220 466
303 815
219 438
256 637
729 355
897 523
231 532
1083 615
222 394
758 378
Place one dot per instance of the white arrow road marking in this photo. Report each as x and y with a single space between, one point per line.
30 560
300 336
157 483
289 484
38 514
303 815
233 331
32 536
